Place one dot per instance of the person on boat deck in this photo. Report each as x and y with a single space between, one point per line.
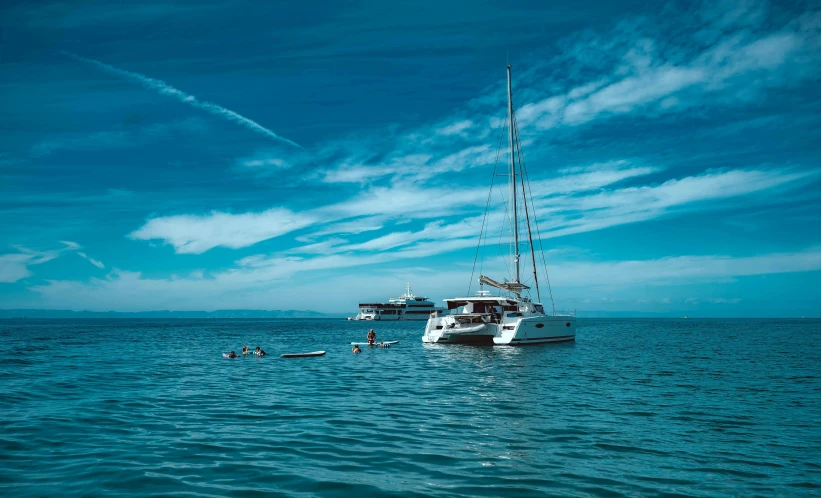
260 352
356 348
371 337
244 350
232 355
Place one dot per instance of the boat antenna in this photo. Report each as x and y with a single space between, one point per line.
512 177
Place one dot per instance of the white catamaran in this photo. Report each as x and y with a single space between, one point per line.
508 318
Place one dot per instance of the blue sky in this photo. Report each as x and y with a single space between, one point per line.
310 155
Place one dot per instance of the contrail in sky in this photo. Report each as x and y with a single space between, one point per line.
166 89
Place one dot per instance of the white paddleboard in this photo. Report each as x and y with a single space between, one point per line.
375 344
303 355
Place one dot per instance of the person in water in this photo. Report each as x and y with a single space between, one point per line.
260 352
244 350
356 348
371 337
232 355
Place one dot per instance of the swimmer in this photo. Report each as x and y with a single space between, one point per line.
371 337
260 352
232 355
356 348
244 350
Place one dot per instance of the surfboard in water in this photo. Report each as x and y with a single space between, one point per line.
375 344
303 355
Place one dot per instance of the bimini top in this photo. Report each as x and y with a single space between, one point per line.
493 300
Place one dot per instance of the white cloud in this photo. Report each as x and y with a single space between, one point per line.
93 261
260 281
15 266
682 269
191 234
571 203
457 128
660 80
566 215
352 227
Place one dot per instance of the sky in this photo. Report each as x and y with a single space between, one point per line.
312 155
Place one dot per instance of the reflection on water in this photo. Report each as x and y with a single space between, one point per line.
633 407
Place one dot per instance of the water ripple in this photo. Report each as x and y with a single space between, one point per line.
634 407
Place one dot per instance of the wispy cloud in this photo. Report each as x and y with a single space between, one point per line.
93 261
15 266
684 269
389 198
166 89
196 234
723 59
251 283
366 212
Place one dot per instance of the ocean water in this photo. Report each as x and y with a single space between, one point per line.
632 408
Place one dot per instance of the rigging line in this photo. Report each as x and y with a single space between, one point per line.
506 259
487 205
527 213
539 236
498 156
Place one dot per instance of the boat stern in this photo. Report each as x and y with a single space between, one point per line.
538 330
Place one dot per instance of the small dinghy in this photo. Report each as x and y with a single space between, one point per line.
374 344
303 355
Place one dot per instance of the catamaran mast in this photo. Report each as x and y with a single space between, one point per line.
512 177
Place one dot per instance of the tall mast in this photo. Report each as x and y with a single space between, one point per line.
512 176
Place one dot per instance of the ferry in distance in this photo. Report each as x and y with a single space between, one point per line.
405 307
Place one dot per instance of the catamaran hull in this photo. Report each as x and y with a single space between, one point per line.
438 333
538 330
524 331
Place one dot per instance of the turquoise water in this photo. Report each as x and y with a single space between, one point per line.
634 407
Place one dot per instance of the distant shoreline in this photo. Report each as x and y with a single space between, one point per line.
20 315
35 313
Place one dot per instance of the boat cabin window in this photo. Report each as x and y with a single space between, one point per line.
510 308
480 308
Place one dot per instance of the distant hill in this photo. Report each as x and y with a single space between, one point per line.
164 314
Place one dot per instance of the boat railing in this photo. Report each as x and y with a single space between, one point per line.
564 312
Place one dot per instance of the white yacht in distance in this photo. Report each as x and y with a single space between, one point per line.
508 318
405 307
